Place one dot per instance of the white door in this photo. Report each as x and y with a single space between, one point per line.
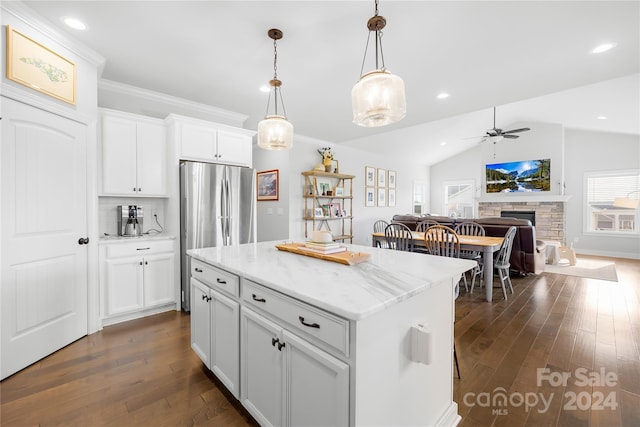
44 214
262 368
124 277
200 332
119 156
152 159
225 341
317 386
158 279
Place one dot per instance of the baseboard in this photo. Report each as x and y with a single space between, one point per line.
450 417
107 321
610 254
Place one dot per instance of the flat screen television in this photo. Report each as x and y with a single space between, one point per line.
519 177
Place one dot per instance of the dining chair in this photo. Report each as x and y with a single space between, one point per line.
423 225
379 227
399 237
444 241
470 228
501 260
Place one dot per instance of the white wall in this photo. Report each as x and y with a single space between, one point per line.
597 151
303 157
543 141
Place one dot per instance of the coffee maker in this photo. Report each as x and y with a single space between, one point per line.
130 220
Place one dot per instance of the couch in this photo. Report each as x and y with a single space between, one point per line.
527 253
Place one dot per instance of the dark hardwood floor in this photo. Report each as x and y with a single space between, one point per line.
144 373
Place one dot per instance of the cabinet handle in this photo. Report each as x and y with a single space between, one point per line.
140 262
255 298
146 263
139 189
310 325
204 297
83 241
223 282
274 341
142 249
134 189
198 270
280 345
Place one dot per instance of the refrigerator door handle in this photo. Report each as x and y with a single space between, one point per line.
228 211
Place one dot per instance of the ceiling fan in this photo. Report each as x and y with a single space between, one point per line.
495 134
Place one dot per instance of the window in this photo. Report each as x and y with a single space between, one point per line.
458 199
612 202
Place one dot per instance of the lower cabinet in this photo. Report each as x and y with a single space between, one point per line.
287 381
215 333
136 277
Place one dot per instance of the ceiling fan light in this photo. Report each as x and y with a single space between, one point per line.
275 133
378 99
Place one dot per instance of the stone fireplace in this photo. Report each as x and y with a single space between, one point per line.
550 215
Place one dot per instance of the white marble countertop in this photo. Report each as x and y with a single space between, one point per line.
146 237
349 291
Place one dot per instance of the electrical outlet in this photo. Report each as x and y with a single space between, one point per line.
154 213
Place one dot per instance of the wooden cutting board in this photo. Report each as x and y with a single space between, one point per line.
345 257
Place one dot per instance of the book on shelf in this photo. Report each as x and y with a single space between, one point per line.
325 251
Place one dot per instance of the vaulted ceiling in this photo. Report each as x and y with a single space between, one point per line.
532 59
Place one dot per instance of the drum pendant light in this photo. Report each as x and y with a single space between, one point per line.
275 132
378 99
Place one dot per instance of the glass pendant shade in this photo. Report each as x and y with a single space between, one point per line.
275 133
378 99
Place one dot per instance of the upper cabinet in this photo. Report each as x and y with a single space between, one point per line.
210 142
134 155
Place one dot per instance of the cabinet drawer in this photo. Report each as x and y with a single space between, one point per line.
303 317
139 248
214 277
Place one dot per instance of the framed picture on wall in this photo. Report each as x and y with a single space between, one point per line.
391 199
382 177
392 179
267 185
382 197
369 197
369 176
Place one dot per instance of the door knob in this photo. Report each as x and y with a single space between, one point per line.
83 241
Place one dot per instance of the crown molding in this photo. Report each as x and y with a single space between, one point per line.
125 89
39 24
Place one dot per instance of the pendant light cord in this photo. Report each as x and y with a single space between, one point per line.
378 44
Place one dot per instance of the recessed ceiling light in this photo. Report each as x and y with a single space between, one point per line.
442 95
604 47
443 143
602 117
265 89
74 23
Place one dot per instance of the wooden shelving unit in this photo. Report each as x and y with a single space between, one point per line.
314 199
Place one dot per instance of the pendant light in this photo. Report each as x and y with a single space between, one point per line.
275 132
378 98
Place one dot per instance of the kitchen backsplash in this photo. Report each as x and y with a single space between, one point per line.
108 216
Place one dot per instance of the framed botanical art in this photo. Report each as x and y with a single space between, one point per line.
382 177
369 176
391 198
324 187
267 185
382 197
392 179
40 68
369 197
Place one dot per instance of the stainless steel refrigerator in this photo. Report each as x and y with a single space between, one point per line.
217 208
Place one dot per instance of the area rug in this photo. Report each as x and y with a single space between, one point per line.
588 268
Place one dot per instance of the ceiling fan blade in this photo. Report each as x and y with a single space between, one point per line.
511 136
516 130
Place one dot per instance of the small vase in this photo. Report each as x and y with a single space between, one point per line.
327 168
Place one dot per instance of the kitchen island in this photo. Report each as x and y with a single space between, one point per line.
304 341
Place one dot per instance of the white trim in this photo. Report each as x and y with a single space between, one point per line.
125 89
37 101
450 416
35 21
612 254
510 198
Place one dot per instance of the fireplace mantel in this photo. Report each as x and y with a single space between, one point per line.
510 198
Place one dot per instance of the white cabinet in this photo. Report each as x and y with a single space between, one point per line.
134 155
210 142
288 381
136 277
215 323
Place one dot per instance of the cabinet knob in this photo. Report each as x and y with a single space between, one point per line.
274 341
140 262
83 241
280 345
134 189
139 189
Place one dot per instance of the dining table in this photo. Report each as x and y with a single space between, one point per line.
485 244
